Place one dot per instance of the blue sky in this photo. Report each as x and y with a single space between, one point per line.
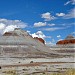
51 20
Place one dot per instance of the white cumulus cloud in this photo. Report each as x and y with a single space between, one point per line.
9 28
9 25
39 24
2 26
60 14
47 16
38 34
52 24
58 36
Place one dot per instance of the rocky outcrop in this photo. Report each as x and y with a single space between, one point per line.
40 39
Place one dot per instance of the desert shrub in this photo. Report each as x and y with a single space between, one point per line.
12 72
31 61
68 72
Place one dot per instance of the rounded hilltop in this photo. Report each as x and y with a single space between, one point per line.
18 36
70 39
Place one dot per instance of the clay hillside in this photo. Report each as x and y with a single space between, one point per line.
20 43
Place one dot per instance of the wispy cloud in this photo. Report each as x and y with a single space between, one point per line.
39 24
73 2
50 43
71 24
47 16
70 14
51 24
52 29
8 13
59 39
67 24
73 33
70 2
67 2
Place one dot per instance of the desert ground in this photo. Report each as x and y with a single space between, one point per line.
39 65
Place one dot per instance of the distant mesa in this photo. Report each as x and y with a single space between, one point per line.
69 37
68 40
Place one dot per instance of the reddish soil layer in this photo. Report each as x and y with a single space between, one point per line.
72 41
40 39
35 64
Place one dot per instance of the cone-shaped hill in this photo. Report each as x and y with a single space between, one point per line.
19 43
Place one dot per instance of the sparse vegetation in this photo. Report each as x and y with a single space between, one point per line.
10 72
68 72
